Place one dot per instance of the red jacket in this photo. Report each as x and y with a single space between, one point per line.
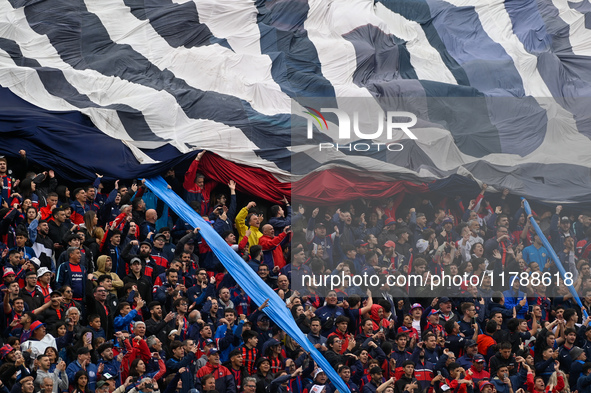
224 379
272 251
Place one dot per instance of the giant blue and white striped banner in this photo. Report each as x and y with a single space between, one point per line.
127 87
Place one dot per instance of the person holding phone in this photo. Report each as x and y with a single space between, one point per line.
501 380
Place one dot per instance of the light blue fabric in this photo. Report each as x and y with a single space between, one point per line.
252 284
551 252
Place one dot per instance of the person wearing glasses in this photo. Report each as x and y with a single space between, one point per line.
249 385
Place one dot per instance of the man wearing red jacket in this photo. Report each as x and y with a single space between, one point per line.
196 188
224 379
272 246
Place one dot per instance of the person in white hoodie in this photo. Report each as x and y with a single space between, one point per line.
39 340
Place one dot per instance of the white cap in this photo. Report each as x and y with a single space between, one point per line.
42 271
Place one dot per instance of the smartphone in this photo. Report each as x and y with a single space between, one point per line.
305 363
88 336
438 372
473 320
530 309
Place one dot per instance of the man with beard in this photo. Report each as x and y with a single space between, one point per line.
151 269
96 303
58 229
156 325
164 292
111 364
59 376
142 282
73 274
43 246
204 288
32 296
329 313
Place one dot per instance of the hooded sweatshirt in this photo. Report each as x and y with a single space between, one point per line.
101 270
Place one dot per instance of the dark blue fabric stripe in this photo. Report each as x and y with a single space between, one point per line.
185 29
419 11
381 57
57 85
528 25
83 42
69 143
568 76
488 67
296 67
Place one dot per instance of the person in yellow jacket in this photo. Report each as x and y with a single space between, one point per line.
254 221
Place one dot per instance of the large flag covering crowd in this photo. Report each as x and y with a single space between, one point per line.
228 273
146 82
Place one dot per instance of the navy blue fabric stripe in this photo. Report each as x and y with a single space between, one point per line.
488 67
56 84
296 67
419 11
83 42
567 75
69 143
528 25
178 24
381 57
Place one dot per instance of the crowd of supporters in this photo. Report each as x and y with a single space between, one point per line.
100 295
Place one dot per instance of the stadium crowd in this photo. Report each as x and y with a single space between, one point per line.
98 296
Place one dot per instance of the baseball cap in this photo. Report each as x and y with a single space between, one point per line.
160 235
36 325
8 271
319 225
422 245
135 260
318 371
212 351
100 384
469 343
261 317
416 305
173 331
448 220
360 243
444 299
565 219
42 271
5 350
433 312
478 358
389 243
209 341
483 384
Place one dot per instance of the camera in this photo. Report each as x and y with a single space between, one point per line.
149 386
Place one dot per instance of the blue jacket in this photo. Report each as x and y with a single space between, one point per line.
122 322
221 333
91 369
584 384
512 300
